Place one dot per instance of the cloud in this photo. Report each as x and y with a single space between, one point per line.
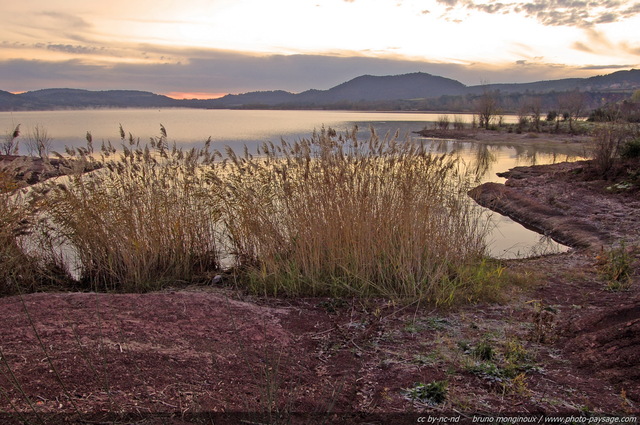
65 20
600 67
450 3
633 50
631 11
576 13
607 18
598 39
582 47
98 52
76 50
599 44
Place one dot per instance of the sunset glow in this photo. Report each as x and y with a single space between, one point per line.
199 95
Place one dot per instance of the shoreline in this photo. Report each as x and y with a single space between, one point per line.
558 201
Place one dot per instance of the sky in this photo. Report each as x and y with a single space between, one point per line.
208 48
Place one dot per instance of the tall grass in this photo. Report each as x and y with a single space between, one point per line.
338 216
144 220
328 215
17 268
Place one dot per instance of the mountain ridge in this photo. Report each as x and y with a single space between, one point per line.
364 90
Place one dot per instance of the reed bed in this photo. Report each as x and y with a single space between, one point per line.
146 219
332 215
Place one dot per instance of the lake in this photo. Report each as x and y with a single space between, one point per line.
237 128
189 127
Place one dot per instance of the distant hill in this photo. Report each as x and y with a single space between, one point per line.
12 102
407 91
74 98
365 88
620 80
372 88
253 98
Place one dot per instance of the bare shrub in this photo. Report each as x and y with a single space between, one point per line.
609 142
487 108
458 123
443 122
523 115
572 104
39 142
535 107
10 144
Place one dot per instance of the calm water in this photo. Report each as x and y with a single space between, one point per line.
191 127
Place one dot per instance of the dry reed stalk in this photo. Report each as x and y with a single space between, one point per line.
17 268
145 220
334 215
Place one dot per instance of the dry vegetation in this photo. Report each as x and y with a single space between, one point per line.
338 216
16 267
329 215
144 220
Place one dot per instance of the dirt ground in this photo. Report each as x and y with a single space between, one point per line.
559 343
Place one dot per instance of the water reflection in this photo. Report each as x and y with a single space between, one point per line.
483 161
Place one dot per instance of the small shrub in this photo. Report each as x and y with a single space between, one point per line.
631 149
517 385
523 122
464 346
514 352
615 266
544 323
433 393
484 351
489 371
